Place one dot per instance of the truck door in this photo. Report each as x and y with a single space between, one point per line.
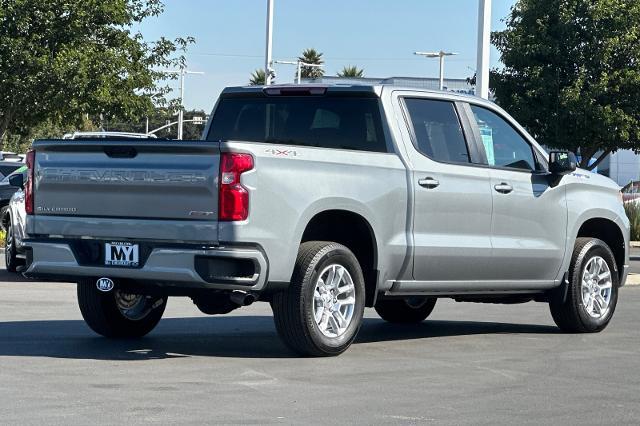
529 222
452 198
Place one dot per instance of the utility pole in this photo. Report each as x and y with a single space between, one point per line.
268 51
181 110
299 64
441 54
183 72
484 33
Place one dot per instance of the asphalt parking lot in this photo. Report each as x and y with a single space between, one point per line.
469 364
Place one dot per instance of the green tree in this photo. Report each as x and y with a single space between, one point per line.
21 142
351 71
258 78
311 56
571 73
63 59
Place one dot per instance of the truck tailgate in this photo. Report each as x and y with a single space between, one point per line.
135 185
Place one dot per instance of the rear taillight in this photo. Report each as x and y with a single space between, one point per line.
28 186
233 201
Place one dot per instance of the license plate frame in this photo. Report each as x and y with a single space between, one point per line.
122 254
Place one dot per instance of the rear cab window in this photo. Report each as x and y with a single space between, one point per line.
338 122
437 130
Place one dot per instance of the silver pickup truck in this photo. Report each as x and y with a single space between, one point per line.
324 200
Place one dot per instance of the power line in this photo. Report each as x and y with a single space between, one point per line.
331 58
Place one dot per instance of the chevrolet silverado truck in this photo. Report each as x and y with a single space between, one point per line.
324 200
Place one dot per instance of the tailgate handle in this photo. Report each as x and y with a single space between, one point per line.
120 151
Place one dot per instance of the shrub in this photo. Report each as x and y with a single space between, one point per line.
633 213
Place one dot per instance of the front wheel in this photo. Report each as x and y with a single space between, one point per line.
321 311
11 260
411 310
592 293
117 314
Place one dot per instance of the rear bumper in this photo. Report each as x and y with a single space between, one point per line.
165 266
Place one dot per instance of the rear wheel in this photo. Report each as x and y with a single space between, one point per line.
410 310
321 311
118 314
592 293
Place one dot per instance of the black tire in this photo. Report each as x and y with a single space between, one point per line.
411 310
572 316
11 260
293 309
102 314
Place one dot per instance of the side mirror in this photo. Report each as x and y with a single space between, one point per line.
562 162
17 180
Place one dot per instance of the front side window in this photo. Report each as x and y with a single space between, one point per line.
438 133
504 146
327 122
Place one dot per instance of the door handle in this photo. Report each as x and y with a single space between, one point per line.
503 188
428 183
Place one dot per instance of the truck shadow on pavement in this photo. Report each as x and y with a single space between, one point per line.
231 336
11 277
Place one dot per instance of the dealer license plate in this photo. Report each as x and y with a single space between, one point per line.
121 254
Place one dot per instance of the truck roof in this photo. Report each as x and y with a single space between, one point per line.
362 89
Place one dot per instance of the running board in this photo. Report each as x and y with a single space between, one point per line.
448 288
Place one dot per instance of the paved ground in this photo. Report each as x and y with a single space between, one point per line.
470 364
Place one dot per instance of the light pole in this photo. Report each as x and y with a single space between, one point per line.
441 54
267 56
484 33
183 72
299 64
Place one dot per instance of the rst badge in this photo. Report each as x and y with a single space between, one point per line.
121 254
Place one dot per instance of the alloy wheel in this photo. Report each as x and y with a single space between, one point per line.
596 287
334 300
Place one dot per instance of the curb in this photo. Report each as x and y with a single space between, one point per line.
632 280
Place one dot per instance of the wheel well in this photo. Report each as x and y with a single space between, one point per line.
353 231
607 231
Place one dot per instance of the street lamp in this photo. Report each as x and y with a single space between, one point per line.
183 72
268 72
299 64
484 36
441 54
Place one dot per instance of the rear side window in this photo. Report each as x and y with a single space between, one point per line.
327 122
437 130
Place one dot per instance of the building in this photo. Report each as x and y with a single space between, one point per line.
622 166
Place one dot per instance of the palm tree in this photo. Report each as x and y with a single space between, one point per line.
258 78
351 71
311 56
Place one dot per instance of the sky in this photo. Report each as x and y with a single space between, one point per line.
379 36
